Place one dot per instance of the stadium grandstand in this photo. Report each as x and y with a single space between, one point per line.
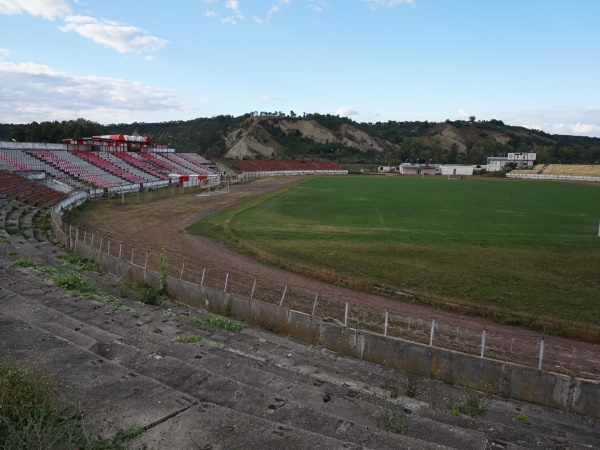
266 167
574 172
100 165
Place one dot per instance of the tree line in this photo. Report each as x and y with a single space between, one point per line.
411 141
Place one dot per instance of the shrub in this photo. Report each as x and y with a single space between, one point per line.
150 295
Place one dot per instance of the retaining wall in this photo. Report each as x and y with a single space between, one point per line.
506 380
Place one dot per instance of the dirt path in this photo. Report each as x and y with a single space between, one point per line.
161 224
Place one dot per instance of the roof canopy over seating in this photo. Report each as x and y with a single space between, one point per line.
123 137
119 142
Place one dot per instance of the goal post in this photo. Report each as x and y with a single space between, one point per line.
216 187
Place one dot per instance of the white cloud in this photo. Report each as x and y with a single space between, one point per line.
234 7
48 9
462 113
572 120
277 8
232 13
120 37
386 3
317 5
270 98
37 92
345 111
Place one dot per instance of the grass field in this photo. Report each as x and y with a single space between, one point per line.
521 252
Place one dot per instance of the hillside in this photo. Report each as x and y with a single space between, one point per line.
273 135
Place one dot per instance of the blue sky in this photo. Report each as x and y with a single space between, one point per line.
534 63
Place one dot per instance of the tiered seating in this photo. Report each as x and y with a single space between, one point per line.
10 163
300 165
328 165
165 164
584 170
29 163
109 167
116 161
78 168
185 164
271 165
248 166
194 157
27 191
137 161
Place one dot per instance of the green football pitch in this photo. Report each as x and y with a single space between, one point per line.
522 252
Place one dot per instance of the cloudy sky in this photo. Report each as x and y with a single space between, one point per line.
534 63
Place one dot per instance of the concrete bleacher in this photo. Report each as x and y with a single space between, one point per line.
137 161
123 165
28 191
189 164
575 172
78 168
102 163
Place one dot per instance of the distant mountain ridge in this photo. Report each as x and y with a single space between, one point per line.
318 136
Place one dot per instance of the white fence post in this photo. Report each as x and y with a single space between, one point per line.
315 304
387 318
482 343
202 279
226 281
182 269
431 334
253 288
346 316
283 296
120 249
541 357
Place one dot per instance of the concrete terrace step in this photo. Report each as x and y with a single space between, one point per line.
113 398
207 386
143 346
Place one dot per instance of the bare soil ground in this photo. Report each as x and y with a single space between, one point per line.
160 225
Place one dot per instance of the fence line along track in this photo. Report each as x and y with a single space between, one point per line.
544 352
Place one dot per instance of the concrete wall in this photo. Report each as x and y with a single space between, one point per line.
505 379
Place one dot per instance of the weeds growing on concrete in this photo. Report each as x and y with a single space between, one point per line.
523 418
23 262
79 263
472 403
189 338
73 282
210 322
33 417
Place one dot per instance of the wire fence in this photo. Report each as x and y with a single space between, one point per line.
543 352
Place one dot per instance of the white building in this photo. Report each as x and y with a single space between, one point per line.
456 169
521 160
